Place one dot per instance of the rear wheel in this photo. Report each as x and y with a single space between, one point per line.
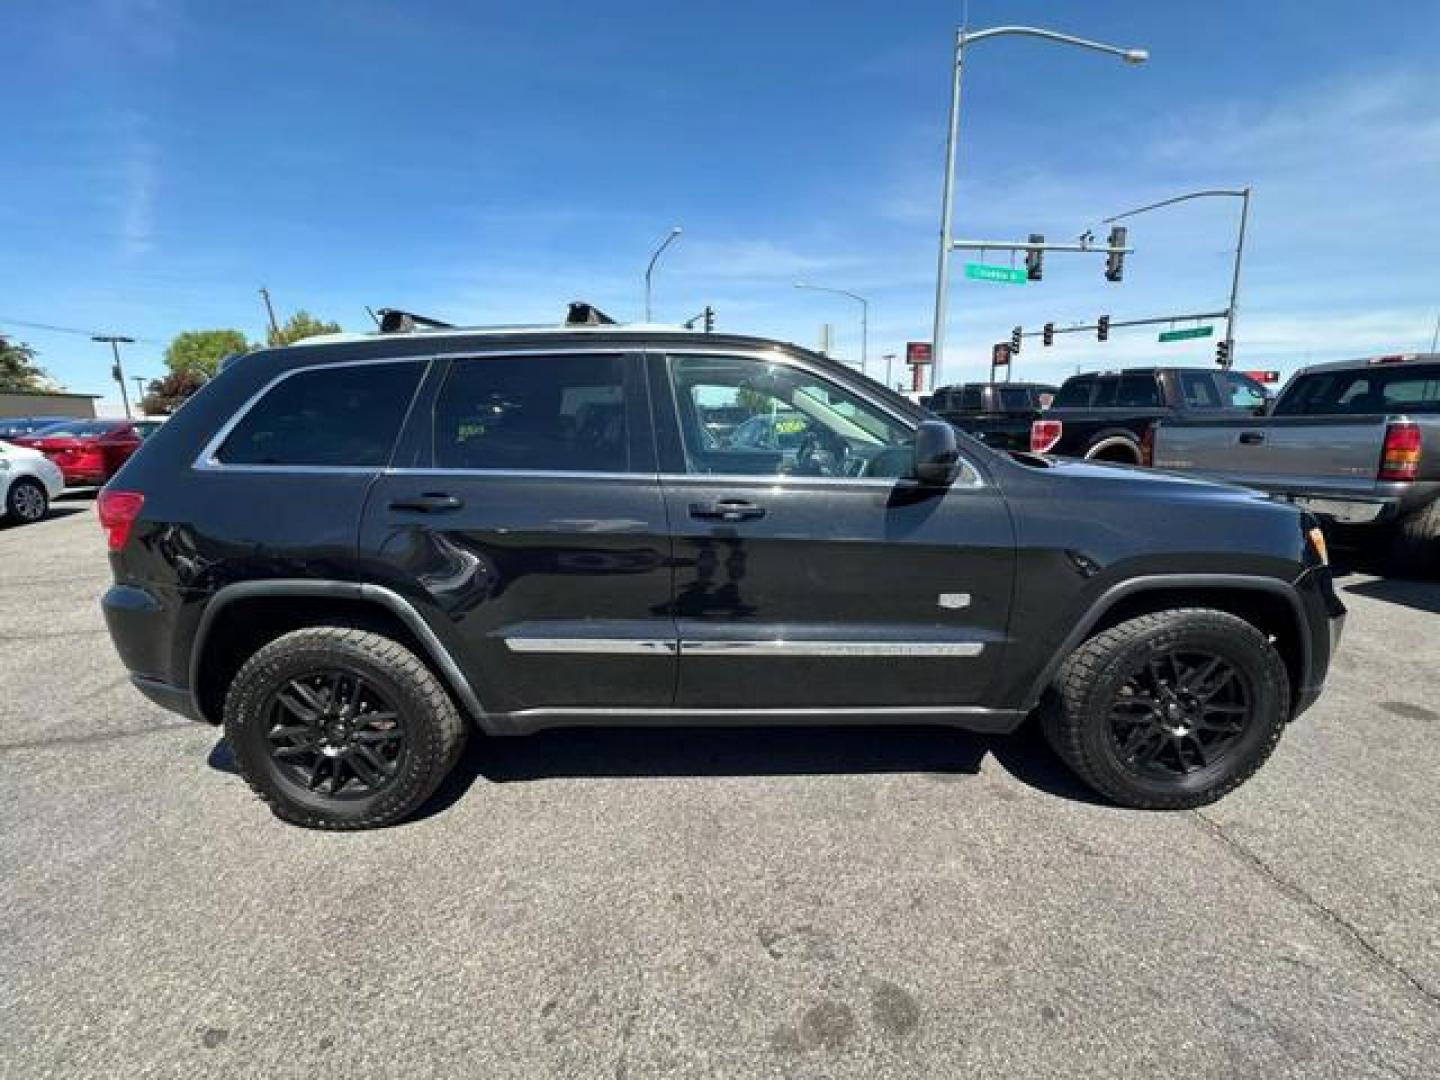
338 728
1171 710
1415 546
27 501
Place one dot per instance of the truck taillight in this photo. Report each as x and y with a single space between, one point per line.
118 511
1400 455
1044 434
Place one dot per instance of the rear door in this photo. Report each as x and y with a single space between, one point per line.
815 576
524 516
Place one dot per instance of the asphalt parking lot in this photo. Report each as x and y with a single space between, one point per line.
775 903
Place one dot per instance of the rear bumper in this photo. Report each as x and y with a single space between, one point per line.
144 631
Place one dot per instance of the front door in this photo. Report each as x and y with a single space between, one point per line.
808 571
527 519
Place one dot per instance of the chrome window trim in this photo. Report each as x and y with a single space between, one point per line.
526 474
773 647
207 459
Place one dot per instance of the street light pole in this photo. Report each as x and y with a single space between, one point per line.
1243 194
889 379
964 38
864 317
650 269
118 372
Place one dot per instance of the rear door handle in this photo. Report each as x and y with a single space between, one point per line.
432 502
1252 438
727 510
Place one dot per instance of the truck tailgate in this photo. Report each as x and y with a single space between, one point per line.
1281 453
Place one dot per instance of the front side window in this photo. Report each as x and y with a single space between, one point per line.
1138 391
535 413
342 416
1244 394
1198 387
1074 394
796 424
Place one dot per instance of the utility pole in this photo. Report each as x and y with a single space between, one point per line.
889 361
270 312
117 372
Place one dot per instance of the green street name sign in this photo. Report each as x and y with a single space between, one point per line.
1186 335
988 272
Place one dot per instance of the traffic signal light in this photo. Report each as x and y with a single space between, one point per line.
1034 262
1222 353
1015 340
1102 328
1047 336
1115 261
709 319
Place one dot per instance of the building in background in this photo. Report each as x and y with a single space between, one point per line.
47 403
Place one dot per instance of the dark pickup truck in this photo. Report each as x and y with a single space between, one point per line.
1106 416
998 414
1357 443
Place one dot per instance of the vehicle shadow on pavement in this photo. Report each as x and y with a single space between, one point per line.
617 753
55 513
1420 595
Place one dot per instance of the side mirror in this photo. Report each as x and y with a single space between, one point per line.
937 454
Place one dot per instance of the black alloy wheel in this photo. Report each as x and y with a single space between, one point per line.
1182 711
335 732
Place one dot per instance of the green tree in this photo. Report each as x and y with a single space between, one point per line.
201 351
164 396
18 370
300 325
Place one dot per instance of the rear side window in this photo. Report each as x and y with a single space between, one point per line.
548 413
1137 391
970 399
1365 390
1015 400
1075 394
1106 392
347 415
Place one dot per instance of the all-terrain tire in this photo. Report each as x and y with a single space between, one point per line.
1415 545
1077 719
434 729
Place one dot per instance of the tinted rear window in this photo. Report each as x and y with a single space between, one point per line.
556 413
1137 391
338 416
1364 390
1075 394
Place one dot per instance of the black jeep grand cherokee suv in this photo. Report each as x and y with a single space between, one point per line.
350 550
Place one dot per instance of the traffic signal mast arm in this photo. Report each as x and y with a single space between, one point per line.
1025 245
1113 324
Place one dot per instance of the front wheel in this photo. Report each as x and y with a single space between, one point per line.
1171 710
338 728
27 501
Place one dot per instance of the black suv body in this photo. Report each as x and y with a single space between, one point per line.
349 550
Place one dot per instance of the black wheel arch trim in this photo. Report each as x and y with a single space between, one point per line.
365 592
1160 582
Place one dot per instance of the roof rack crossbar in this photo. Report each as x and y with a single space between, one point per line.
395 321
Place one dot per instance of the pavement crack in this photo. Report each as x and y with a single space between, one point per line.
1326 913
98 737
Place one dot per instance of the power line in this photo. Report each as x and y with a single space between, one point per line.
62 329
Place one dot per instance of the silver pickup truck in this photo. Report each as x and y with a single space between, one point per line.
1357 443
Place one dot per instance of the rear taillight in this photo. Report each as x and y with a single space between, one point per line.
1044 434
118 511
1400 456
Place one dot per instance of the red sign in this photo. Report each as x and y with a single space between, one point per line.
1264 376
917 353
1000 354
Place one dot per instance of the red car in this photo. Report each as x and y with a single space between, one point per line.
89 452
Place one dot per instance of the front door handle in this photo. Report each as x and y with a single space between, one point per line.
727 510
432 502
1252 438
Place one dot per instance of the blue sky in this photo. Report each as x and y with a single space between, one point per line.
488 162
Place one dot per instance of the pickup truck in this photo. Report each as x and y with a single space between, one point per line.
998 414
1356 442
1105 417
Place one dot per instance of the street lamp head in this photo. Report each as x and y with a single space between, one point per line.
1135 56
676 231
801 285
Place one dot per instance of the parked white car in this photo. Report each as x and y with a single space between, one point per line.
28 481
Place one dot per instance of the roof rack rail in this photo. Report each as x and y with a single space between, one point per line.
583 314
395 321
